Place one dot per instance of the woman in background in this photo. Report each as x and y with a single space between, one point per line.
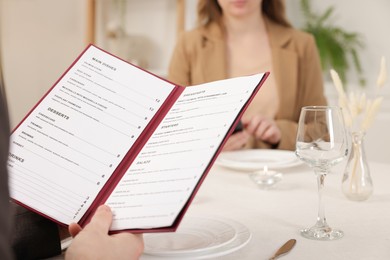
244 37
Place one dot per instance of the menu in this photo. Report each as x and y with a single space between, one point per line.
108 132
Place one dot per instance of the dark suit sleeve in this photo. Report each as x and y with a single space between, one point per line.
5 210
34 237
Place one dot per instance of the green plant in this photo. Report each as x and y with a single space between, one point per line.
337 47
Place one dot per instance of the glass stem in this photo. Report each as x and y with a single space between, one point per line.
321 220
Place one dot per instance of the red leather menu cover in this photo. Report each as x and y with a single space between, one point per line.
100 128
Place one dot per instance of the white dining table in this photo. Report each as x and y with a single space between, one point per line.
277 215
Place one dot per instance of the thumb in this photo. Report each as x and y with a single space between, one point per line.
74 229
102 219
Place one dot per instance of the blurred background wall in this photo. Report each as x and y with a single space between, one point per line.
41 38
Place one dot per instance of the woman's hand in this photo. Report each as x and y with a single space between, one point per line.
94 242
263 128
236 141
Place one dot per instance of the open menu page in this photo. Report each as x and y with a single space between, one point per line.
69 145
160 181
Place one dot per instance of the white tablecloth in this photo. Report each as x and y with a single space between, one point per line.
274 216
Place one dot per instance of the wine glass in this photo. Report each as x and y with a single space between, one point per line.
321 143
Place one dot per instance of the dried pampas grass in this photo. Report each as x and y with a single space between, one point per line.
357 106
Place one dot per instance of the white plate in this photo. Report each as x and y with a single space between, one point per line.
256 159
198 238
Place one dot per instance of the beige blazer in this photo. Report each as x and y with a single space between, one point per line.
200 56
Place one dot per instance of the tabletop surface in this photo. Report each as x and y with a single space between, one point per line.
276 215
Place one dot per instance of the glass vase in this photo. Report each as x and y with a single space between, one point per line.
357 183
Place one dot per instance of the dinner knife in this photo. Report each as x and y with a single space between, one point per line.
284 249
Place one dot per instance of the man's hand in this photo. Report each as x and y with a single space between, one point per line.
94 242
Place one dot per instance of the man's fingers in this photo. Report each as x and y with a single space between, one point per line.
133 242
101 220
74 229
129 236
